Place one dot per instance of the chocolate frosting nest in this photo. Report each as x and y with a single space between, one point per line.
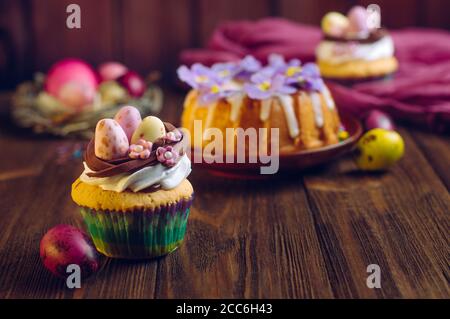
374 36
103 168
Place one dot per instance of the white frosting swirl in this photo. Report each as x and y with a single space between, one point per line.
334 52
158 174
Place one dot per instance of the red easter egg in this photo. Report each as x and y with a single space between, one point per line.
64 245
133 82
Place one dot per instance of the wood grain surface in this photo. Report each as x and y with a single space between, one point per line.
308 235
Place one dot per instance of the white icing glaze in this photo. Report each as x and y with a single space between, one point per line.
328 99
232 86
209 118
287 102
317 107
265 109
159 174
235 101
340 52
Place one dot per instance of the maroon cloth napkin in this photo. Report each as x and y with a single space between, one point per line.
418 93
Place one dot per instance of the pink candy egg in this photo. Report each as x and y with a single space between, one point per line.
378 119
82 79
111 70
357 17
129 119
111 142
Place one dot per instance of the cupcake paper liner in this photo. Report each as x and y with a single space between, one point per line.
138 234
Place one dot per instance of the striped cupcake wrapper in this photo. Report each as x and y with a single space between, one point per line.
138 234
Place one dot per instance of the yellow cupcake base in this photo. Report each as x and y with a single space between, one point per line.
358 69
95 198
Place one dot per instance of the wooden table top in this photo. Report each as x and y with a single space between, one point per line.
309 235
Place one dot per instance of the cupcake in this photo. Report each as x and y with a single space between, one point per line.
354 47
133 192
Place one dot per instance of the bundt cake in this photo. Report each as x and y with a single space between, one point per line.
285 95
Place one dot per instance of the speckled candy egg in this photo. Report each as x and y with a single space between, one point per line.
64 245
150 129
129 119
334 24
378 149
111 142
357 17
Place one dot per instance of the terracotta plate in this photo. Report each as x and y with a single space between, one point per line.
292 161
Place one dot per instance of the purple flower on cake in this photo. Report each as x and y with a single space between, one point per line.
311 77
166 156
173 136
212 93
291 69
211 83
241 70
266 84
197 76
276 61
141 149
278 77
311 70
225 71
246 67
250 64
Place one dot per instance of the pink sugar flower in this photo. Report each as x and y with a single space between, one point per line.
167 156
174 136
141 149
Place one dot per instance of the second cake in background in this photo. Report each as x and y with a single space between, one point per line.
354 47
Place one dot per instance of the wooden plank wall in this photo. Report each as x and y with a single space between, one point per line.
148 34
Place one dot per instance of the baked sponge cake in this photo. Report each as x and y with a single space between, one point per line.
283 94
355 47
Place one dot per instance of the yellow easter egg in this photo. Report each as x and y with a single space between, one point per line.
334 24
378 149
150 129
112 93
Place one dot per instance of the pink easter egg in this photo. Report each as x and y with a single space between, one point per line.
378 119
110 71
129 119
75 95
111 141
83 81
357 17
